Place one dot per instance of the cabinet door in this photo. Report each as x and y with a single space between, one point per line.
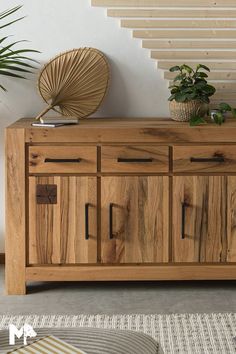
134 224
62 220
204 219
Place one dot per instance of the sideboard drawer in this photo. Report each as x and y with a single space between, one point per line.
204 158
135 158
62 159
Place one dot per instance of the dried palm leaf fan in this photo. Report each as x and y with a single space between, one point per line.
74 83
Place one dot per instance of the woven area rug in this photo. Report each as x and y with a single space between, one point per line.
177 333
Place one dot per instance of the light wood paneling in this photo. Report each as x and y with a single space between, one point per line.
57 231
221 95
174 13
165 23
86 159
225 86
182 156
209 24
132 131
202 235
157 159
164 3
193 55
119 273
15 243
140 219
184 34
213 65
231 75
231 219
187 44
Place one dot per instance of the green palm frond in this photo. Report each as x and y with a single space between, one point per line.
12 61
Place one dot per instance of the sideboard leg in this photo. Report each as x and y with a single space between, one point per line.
15 243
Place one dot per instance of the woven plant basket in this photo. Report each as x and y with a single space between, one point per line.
182 111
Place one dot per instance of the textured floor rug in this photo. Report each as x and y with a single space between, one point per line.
177 333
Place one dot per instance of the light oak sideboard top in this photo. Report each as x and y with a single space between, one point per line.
129 130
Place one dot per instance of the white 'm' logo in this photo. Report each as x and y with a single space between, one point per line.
25 331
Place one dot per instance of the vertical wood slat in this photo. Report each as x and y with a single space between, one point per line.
57 231
140 219
15 212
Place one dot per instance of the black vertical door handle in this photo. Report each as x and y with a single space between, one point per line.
87 205
184 206
111 206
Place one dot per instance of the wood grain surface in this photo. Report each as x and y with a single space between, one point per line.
130 130
209 226
164 3
182 158
158 154
57 231
87 156
15 244
140 219
132 272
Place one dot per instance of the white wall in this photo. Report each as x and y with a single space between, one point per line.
137 89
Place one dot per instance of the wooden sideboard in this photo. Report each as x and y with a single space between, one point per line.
120 199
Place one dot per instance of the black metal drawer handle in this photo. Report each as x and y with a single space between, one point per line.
87 205
184 206
47 160
120 159
207 159
111 206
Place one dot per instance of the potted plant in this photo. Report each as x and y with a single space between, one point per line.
217 115
190 92
12 61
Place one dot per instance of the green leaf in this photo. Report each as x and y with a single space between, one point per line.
3 88
10 23
14 68
180 77
233 110
17 62
12 53
187 68
218 118
201 74
3 39
7 73
9 12
174 68
172 97
201 66
5 49
225 107
180 97
21 57
196 120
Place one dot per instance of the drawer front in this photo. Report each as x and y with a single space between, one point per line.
62 159
204 158
142 159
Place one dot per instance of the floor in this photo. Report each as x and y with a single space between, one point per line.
121 298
